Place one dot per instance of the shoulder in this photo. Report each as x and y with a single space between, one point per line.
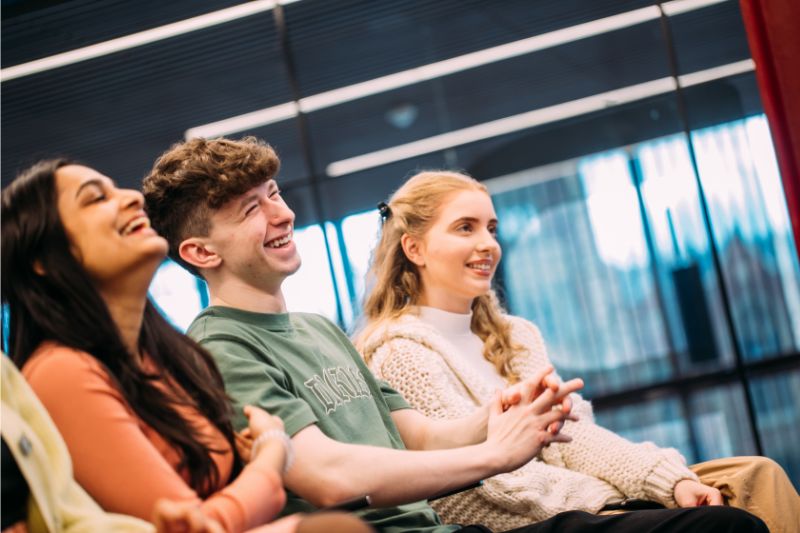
56 372
406 329
56 361
314 321
526 335
404 343
219 331
321 327
210 322
521 327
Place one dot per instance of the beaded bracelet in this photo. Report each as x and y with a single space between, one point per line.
284 439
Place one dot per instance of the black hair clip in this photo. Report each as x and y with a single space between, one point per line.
385 211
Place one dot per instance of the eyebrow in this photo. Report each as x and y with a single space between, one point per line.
473 220
246 200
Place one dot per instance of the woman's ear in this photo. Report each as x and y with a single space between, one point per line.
413 249
199 254
39 268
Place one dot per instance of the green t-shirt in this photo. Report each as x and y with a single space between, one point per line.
304 369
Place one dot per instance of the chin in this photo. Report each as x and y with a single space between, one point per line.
295 264
481 291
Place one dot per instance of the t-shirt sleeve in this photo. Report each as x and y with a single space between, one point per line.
249 380
394 399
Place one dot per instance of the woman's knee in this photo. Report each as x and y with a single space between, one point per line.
764 469
766 464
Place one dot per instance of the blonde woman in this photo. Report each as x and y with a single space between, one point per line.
435 331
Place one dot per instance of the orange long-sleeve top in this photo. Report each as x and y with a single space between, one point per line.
126 465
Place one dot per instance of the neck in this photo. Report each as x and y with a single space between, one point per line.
445 302
239 295
127 311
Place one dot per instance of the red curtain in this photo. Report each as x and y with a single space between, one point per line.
775 44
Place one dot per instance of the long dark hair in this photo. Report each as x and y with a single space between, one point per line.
63 305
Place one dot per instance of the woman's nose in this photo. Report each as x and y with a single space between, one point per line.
132 198
488 243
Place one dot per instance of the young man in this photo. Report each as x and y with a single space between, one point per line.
218 205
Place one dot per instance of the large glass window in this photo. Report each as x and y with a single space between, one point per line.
609 254
179 295
360 233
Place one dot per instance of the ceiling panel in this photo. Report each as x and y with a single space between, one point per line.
30 33
337 43
119 111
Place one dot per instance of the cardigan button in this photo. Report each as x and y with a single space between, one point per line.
25 445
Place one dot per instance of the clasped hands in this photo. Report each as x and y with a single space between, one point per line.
546 388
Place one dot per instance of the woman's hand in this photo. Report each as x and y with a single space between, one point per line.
275 447
182 517
533 387
260 421
690 493
244 444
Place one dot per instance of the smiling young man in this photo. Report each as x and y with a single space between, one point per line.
218 205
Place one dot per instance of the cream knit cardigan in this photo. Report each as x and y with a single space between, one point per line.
596 468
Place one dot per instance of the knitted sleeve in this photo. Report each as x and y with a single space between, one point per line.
638 470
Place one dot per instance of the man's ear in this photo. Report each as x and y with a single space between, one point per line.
413 249
199 254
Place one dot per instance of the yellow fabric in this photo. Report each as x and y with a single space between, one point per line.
57 502
758 485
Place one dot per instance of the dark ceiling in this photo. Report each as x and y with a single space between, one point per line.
119 111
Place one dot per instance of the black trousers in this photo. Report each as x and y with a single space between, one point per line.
711 519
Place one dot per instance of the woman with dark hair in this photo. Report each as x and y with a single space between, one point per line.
141 407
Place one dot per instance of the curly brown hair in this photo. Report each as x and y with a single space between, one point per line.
192 179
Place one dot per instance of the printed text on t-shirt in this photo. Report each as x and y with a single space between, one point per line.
338 385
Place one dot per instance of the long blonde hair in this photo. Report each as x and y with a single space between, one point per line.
395 281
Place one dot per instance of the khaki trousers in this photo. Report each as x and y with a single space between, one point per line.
758 485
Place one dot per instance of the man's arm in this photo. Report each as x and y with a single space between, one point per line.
420 432
327 471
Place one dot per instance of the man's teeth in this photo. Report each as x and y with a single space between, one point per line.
136 225
277 243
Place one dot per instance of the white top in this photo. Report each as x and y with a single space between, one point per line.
455 327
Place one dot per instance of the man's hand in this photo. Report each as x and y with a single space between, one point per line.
690 493
532 387
521 431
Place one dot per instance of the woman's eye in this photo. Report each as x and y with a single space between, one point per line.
97 198
276 192
251 209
